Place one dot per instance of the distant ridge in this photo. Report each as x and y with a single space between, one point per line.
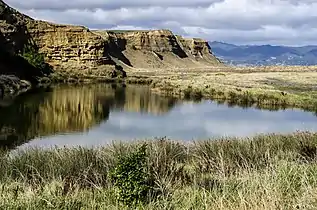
264 54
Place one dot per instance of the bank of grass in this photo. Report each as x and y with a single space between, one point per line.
246 97
266 89
264 172
107 74
270 87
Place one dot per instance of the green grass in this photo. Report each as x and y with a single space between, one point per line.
265 172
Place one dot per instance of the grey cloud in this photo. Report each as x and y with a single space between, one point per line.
270 21
212 17
109 4
277 35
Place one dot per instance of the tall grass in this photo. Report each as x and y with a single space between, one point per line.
261 98
264 172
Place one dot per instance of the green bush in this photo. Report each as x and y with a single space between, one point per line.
35 58
130 177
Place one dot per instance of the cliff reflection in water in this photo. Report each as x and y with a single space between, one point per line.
66 109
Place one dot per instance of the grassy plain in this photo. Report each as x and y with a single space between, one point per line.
265 172
268 87
288 86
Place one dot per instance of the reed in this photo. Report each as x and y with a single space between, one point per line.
264 172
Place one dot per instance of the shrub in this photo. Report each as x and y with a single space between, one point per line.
35 58
130 177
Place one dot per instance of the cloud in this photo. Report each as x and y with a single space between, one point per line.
109 4
289 22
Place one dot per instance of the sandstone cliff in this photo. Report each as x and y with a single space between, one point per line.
66 47
157 49
70 48
13 29
199 50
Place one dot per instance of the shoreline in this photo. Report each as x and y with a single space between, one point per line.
264 87
270 87
12 86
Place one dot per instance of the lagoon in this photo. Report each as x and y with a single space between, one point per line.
96 114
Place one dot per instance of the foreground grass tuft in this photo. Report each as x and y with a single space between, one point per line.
264 172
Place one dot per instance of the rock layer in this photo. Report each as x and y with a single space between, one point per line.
156 49
76 48
198 49
65 47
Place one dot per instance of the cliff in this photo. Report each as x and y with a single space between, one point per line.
76 49
199 50
13 29
69 46
157 49
13 67
66 47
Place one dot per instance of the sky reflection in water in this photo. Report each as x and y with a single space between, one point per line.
94 115
187 121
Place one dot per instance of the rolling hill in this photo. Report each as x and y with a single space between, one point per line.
264 54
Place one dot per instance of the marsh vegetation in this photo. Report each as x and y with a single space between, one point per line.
271 86
265 172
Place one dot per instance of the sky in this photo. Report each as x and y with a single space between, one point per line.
276 22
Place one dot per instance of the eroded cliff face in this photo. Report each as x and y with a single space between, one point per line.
76 48
198 49
13 68
65 47
69 46
13 29
60 43
157 49
159 41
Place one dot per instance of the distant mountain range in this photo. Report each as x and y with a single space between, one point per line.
264 54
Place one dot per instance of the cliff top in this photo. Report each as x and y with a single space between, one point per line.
165 32
139 31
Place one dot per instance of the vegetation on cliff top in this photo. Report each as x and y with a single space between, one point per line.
265 172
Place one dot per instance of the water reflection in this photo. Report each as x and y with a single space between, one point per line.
65 109
185 121
92 115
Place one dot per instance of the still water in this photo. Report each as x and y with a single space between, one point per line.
94 115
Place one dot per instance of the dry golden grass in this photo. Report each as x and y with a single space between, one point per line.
286 86
264 172
276 85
